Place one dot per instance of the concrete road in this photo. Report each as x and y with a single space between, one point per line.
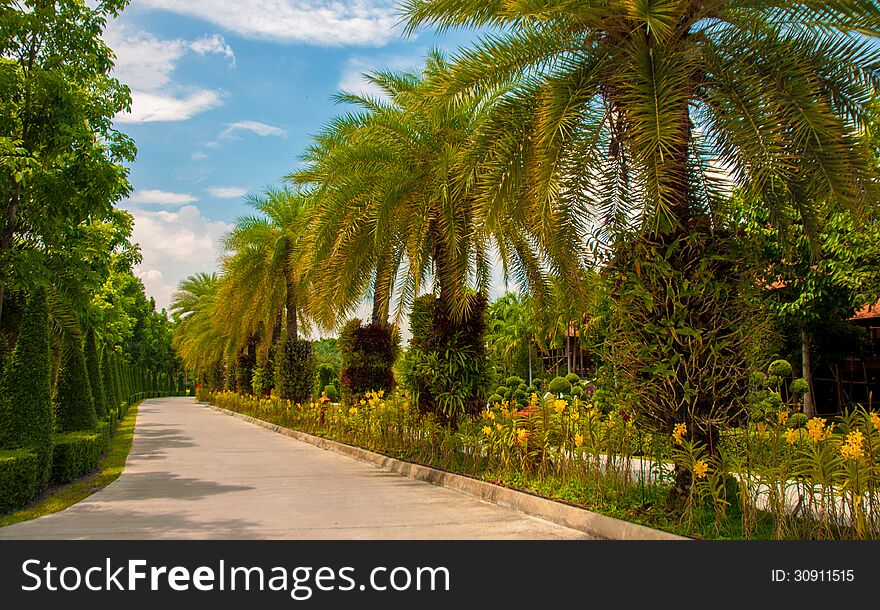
196 473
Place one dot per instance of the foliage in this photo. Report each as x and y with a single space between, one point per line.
26 417
367 356
74 405
331 393
75 454
22 473
96 380
446 368
681 328
559 385
295 370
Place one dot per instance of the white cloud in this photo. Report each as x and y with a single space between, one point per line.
165 198
199 156
146 64
261 129
174 245
319 22
226 192
150 107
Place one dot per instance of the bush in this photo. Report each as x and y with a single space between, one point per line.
797 420
559 385
503 391
110 393
572 378
368 353
799 387
331 393
295 370
779 368
21 478
263 381
96 381
75 454
495 398
74 408
446 368
514 382
577 391
26 417
538 383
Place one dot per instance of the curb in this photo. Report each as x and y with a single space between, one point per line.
597 525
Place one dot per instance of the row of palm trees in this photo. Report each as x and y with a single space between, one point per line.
567 129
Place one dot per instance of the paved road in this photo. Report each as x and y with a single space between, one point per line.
196 473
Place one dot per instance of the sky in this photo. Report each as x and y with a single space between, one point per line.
226 95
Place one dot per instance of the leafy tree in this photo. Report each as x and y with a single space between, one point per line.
61 160
110 390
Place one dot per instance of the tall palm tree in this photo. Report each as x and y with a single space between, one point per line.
629 111
395 200
198 341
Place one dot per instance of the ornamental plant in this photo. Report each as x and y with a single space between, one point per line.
74 406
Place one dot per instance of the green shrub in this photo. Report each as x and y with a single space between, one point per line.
26 417
110 394
503 391
96 380
572 378
331 393
295 370
263 381
495 398
368 353
797 420
779 368
446 368
577 391
75 454
21 478
514 382
74 407
538 383
113 419
559 385
799 387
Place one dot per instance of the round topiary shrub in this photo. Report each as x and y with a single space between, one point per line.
577 391
538 383
514 381
331 393
559 385
368 353
799 387
572 378
519 395
495 398
523 387
779 368
502 391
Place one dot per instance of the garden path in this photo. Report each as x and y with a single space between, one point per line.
196 473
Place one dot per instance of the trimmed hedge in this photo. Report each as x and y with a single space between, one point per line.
74 407
368 355
26 417
21 478
96 380
76 454
296 370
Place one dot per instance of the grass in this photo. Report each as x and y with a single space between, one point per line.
60 497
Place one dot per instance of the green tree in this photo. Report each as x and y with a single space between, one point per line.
112 397
74 406
61 159
26 418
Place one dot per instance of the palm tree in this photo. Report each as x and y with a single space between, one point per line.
198 342
629 111
395 200
511 328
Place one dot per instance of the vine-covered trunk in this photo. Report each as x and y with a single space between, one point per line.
809 403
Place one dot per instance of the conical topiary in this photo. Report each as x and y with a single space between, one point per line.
26 419
96 380
74 407
107 373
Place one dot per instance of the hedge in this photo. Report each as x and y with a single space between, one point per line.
21 478
96 380
295 370
76 454
368 354
74 407
26 417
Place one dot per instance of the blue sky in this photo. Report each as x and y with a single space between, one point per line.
226 95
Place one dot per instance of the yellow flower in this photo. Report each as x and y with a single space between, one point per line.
792 435
492 415
487 430
353 411
559 405
701 468
534 398
575 416
578 440
363 402
522 435
782 416
762 429
851 449
875 419
679 431
380 393
816 428
498 427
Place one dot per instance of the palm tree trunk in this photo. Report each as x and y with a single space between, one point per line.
291 311
809 404
529 346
